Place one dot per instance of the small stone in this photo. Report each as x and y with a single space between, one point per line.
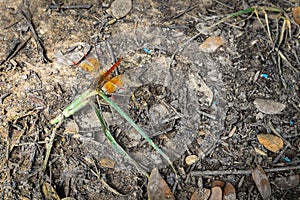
120 8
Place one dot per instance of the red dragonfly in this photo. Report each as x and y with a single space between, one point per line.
103 80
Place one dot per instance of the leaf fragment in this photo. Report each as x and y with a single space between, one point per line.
271 142
262 182
268 106
157 187
211 44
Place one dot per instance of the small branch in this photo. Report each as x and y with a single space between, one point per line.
16 50
63 7
241 172
27 16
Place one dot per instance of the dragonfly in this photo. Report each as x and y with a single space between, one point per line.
103 84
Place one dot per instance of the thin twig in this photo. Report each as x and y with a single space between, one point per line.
14 53
68 7
241 172
27 16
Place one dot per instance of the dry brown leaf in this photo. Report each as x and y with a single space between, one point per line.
286 183
268 106
201 194
211 44
157 187
108 163
229 192
217 183
216 193
271 142
262 182
296 14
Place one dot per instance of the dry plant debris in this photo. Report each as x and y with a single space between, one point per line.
271 142
262 182
157 187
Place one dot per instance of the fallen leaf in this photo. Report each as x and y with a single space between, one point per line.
108 163
120 8
229 192
217 183
157 187
296 14
211 44
189 160
201 194
271 142
262 182
269 106
286 183
216 193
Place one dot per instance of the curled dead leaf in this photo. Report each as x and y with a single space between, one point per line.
271 142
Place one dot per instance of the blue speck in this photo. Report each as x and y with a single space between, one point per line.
147 50
264 75
292 122
214 103
286 159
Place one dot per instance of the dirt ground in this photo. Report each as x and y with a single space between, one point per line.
202 108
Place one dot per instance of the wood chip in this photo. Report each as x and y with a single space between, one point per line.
262 182
269 106
271 142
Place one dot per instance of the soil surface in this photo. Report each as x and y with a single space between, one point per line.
203 107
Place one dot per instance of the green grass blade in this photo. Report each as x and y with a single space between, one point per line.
80 102
136 127
115 144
